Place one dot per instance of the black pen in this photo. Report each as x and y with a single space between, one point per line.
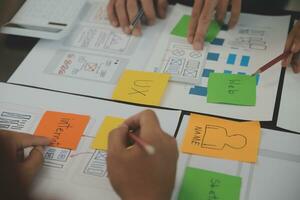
137 18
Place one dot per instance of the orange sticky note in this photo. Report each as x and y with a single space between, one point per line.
216 137
64 129
141 87
108 124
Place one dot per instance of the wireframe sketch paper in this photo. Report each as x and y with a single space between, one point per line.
67 174
275 175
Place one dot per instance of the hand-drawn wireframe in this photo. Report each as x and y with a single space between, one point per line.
102 39
217 138
182 62
97 13
18 118
87 66
97 164
248 38
140 87
56 157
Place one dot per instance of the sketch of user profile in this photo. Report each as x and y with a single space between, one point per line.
217 137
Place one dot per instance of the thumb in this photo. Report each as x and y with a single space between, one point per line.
117 140
31 165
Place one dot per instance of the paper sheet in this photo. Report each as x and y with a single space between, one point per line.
276 174
92 58
289 110
253 42
227 139
68 174
63 129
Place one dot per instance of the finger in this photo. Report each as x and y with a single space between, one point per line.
121 11
162 6
203 23
117 141
148 7
33 162
235 13
194 20
132 8
296 62
112 13
26 140
221 11
288 46
146 121
20 155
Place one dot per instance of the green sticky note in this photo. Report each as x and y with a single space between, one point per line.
234 89
181 28
201 184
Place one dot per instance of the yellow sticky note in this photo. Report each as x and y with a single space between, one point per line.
216 137
141 87
101 140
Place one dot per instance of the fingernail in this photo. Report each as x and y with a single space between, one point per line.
136 32
114 23
294 48
197 46
126 30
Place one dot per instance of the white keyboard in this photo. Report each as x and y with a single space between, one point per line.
50 19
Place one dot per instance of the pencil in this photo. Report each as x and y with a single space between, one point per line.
150 150
136 19
272 62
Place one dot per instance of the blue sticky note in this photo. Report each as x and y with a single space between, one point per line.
218 41
206 72
198 90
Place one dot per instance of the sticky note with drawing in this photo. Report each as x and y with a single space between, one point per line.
108 124
216 137
182 27
141 87
202 184
234 89
64 129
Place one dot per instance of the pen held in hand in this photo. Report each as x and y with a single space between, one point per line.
136 19
272 62
149 149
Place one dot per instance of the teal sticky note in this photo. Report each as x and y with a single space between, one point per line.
233 89
181 28
201 184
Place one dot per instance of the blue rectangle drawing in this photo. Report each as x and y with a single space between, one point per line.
198 90
231 59
213 56
218 41
242 73
245 61
227 72
206 72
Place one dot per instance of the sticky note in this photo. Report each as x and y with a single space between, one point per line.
227 139
202 184
234 89
182 27
141 87
64 129
108 124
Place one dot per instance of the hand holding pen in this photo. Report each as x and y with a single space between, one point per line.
121 13
132 171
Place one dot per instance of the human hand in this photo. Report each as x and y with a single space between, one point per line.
122 13
202 14
293 44
132 172
17 142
